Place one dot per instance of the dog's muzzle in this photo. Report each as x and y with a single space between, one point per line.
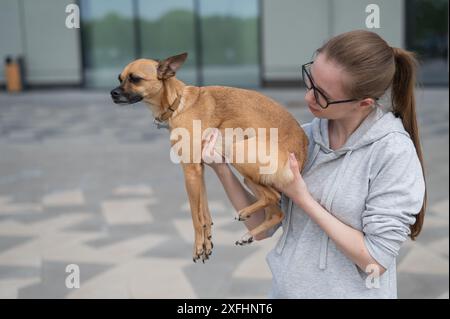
120 97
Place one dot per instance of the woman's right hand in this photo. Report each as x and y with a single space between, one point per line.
209 155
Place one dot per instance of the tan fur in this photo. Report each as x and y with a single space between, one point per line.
221 107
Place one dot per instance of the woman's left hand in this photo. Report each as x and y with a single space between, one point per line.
297 189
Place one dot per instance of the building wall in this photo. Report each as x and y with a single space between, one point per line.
292 32
36 30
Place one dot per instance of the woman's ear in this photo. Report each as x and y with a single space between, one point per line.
168 67
367 102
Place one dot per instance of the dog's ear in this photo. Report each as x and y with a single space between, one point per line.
168 67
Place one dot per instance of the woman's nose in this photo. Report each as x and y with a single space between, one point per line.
309 97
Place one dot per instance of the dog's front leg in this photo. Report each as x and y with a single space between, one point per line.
193 175
207 218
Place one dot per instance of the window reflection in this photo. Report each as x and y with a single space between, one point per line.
427 34
229 34
108 39
220 36
166 29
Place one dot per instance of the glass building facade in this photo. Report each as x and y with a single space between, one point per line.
243 43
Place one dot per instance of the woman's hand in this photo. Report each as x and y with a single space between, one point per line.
209 155
297 189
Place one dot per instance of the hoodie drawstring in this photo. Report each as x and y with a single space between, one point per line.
286 227
326 202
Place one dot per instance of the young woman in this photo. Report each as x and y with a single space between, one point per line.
362 191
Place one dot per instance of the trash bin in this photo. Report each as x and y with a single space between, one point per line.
13 75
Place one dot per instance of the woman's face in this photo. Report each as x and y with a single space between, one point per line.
330 78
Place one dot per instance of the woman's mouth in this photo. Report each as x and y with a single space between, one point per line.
312 108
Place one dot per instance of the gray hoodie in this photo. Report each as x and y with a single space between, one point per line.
374 183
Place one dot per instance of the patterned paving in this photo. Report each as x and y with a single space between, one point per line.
86 182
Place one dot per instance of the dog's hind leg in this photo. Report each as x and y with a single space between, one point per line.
268 199
273 216
266 196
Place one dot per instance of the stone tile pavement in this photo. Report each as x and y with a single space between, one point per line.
85 182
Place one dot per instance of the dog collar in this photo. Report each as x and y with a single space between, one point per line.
161 121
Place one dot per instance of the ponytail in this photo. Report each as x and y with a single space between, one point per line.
404 107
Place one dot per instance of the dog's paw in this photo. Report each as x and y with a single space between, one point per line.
203 253
240 216
207 249
245 240
198 253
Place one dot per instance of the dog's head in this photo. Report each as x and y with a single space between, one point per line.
143 79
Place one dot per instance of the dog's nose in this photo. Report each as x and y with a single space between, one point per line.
115 93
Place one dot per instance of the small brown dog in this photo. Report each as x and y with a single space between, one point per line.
224 108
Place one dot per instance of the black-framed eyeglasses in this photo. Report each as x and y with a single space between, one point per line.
321 97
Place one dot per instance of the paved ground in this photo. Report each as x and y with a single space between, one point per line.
86 182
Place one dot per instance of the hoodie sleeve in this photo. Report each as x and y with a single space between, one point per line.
274 229
396 193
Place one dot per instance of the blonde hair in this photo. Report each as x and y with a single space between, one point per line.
374 67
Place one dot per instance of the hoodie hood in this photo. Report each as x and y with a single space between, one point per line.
375 126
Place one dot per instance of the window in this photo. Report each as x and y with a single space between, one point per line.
427 34
220 36
108 40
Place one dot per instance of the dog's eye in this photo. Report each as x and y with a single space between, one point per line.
134 79
119 78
